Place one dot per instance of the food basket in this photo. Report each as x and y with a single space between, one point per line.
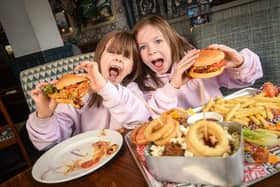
153 172
200 170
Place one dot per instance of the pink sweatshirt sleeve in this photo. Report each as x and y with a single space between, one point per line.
245 75
46 132
124 105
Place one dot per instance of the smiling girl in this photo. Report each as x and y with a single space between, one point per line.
109 104
167 57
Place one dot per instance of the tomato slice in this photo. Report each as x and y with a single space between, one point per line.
270 90
217 65
221 63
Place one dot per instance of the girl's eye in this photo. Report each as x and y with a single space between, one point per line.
127 59
110 51
158 41
142 47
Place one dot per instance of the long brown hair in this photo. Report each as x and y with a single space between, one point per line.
178 45
122 43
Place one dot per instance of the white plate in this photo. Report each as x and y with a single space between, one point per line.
51 166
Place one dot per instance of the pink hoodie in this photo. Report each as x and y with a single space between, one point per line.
188 96
120 108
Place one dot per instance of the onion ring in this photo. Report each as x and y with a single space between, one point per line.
172 129
171 134
133 134
137 135
158 127
198 145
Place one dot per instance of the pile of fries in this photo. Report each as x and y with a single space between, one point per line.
245 109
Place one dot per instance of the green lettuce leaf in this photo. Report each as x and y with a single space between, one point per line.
261 137
50 89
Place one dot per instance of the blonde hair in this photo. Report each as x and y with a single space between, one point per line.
121 42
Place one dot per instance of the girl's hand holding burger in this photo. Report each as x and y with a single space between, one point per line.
97 81
232 57
180 76
45 106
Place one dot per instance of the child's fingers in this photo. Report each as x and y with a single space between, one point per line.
40 85
215 46
191 55
33 93
52 82
189 64
220 47
91 69
188 60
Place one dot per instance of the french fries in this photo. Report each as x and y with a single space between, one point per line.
244 109
232 111
209 105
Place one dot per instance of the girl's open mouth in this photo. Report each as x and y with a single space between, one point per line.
158 63
114 72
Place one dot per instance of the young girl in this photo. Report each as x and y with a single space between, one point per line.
110 105
167 56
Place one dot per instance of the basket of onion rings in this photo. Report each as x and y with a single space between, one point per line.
205 152
162 129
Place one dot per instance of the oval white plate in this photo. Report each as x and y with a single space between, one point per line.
52 165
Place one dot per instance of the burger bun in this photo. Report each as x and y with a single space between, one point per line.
205 75
206 58
69 79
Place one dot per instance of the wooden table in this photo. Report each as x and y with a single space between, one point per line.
121 171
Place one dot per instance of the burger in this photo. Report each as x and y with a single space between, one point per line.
209 63
69 89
